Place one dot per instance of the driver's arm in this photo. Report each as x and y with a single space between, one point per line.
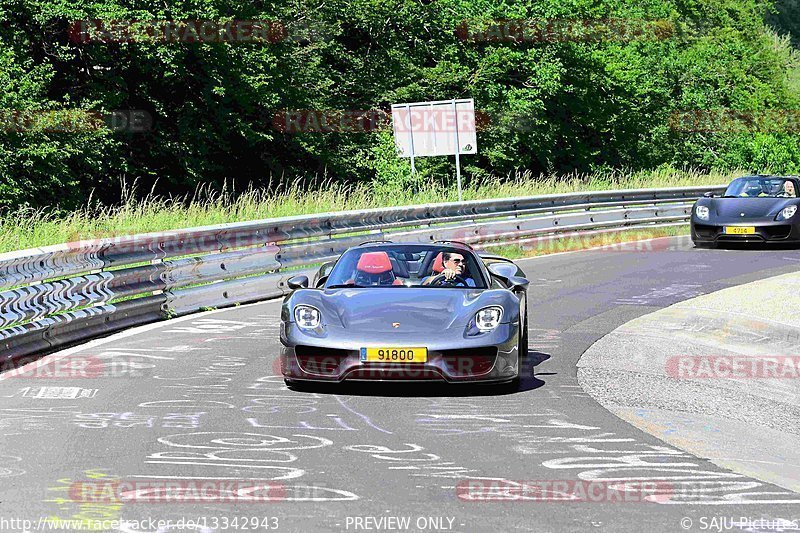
447 273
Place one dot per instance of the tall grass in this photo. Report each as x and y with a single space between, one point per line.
27 228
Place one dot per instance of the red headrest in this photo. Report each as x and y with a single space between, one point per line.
374 263
438 265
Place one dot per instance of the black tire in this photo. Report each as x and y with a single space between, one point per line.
523 348
511 387
705 245
522 353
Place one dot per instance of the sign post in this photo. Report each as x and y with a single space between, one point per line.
446 127
458 150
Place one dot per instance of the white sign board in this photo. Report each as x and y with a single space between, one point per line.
426 129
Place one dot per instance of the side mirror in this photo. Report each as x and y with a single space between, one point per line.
708 195
515 283
503 270
298 282
507 273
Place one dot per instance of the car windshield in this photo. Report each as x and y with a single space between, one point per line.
761 188
428 266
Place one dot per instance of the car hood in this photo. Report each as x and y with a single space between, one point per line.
377 309
732 208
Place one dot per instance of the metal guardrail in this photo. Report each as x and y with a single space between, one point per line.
57 295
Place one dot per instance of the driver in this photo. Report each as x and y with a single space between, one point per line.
453 264
788 190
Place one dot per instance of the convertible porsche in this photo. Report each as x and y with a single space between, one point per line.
406 312
753 209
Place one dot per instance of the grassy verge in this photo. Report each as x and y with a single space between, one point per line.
27 228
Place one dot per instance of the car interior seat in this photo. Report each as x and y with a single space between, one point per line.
375 268
400 268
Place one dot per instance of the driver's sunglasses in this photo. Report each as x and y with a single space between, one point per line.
457 261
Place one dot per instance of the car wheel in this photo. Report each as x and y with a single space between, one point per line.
522 351
523 348
510 387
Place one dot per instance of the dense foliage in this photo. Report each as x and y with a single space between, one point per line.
554 105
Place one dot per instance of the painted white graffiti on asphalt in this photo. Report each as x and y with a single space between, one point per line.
660 295
130 419
55 393
212 325
591 453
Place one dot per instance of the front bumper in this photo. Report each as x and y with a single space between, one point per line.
491 357
765 232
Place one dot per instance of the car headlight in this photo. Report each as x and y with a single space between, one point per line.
702 212
787 212
307 317
488 318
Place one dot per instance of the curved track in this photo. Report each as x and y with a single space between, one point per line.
198 398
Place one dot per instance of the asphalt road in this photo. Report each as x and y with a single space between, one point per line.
198 400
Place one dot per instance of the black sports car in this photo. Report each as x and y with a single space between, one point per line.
759 209
407 312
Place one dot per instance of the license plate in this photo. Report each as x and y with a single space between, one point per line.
739 230
394 355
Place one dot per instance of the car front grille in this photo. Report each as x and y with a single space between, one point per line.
705 232
764 232
777 232
469 362
405 373
320 361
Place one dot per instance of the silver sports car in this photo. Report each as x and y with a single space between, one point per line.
409 312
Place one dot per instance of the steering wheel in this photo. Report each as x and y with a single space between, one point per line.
440 279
